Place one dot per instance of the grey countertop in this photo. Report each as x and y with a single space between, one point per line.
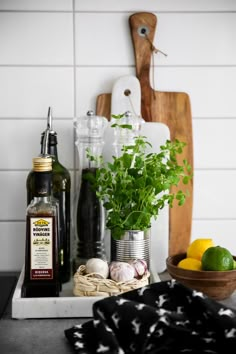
35 336
46 336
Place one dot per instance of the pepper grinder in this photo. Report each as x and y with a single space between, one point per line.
89 212
124 136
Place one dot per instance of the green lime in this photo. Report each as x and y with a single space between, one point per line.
217 258
234 264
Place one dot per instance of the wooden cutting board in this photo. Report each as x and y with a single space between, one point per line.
171 108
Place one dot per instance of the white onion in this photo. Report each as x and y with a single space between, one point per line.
121 271
97 265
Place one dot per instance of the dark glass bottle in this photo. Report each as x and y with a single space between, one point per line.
61 187
41 278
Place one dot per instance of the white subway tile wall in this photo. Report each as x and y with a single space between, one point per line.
188 39
64 53
36 38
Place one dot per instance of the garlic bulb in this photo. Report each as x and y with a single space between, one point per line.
97 265
121 271
140 267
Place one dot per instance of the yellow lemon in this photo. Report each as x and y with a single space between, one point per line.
190 264
198 247
217 258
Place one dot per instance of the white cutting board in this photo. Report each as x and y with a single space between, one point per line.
120 101
157 134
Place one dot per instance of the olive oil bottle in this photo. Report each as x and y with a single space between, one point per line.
41 278
61 189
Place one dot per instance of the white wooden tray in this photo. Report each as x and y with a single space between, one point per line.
64 306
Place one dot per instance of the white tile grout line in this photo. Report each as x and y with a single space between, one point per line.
227 219
67 118
38 118
75 169
88 66
155 11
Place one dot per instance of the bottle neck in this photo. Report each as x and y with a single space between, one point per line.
43 184
51 145
52 150
43 199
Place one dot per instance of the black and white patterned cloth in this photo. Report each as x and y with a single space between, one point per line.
163 317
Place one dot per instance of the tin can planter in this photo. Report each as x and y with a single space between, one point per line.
134 244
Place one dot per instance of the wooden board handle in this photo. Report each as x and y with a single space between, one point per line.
143 27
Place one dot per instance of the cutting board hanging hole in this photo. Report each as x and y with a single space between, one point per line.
143 31
127 92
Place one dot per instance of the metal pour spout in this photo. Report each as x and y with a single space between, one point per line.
49 121
46 133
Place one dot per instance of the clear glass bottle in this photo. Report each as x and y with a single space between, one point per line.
89 212
41 277
61 187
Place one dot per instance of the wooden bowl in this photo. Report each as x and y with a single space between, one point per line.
218 285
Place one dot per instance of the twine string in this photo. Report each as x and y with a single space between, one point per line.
127 93
154 50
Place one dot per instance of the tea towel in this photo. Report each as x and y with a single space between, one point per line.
164 317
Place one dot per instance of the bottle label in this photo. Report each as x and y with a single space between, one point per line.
41 239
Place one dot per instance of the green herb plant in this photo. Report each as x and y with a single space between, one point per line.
135 186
